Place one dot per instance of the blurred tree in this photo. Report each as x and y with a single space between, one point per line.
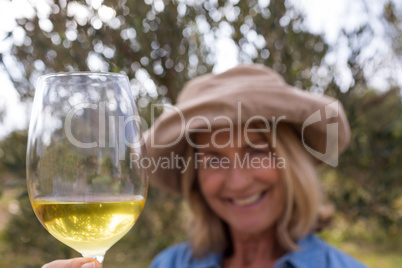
393 17
160 44
368 172
169 41
13 153
367 183
2 112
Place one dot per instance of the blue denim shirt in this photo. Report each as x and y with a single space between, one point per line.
314 253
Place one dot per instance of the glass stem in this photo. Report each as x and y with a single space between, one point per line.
99 258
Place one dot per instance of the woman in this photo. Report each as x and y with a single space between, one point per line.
245 147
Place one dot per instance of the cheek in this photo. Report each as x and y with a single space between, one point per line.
209 185
271 176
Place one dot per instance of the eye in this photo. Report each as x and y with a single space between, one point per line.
258 151
212 161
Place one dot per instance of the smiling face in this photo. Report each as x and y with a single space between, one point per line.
240 183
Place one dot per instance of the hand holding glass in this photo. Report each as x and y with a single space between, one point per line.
83 135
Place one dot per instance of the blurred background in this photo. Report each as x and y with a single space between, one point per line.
348 49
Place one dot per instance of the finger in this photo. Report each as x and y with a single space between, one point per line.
74 263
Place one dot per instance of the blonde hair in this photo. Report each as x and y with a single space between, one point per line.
304 212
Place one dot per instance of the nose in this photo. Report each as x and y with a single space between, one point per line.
238 178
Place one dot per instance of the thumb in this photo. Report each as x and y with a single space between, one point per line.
74 263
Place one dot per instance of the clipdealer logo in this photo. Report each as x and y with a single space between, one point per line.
117 135
330 156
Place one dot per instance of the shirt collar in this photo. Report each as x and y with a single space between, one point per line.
213 260
310 255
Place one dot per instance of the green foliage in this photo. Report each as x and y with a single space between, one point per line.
369 171
13 158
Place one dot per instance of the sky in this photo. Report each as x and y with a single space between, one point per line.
326 17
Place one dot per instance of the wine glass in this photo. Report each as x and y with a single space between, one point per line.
85 144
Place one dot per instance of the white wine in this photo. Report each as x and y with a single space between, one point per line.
90 227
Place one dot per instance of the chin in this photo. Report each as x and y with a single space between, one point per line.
251 227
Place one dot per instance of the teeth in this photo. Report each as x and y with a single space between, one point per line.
247 201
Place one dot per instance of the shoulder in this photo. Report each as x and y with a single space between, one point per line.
174 256
337 258
181 255
326 255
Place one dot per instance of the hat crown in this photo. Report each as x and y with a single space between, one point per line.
241 76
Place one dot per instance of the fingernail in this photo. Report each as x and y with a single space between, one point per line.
88 265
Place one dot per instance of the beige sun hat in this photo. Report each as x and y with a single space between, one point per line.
237 95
